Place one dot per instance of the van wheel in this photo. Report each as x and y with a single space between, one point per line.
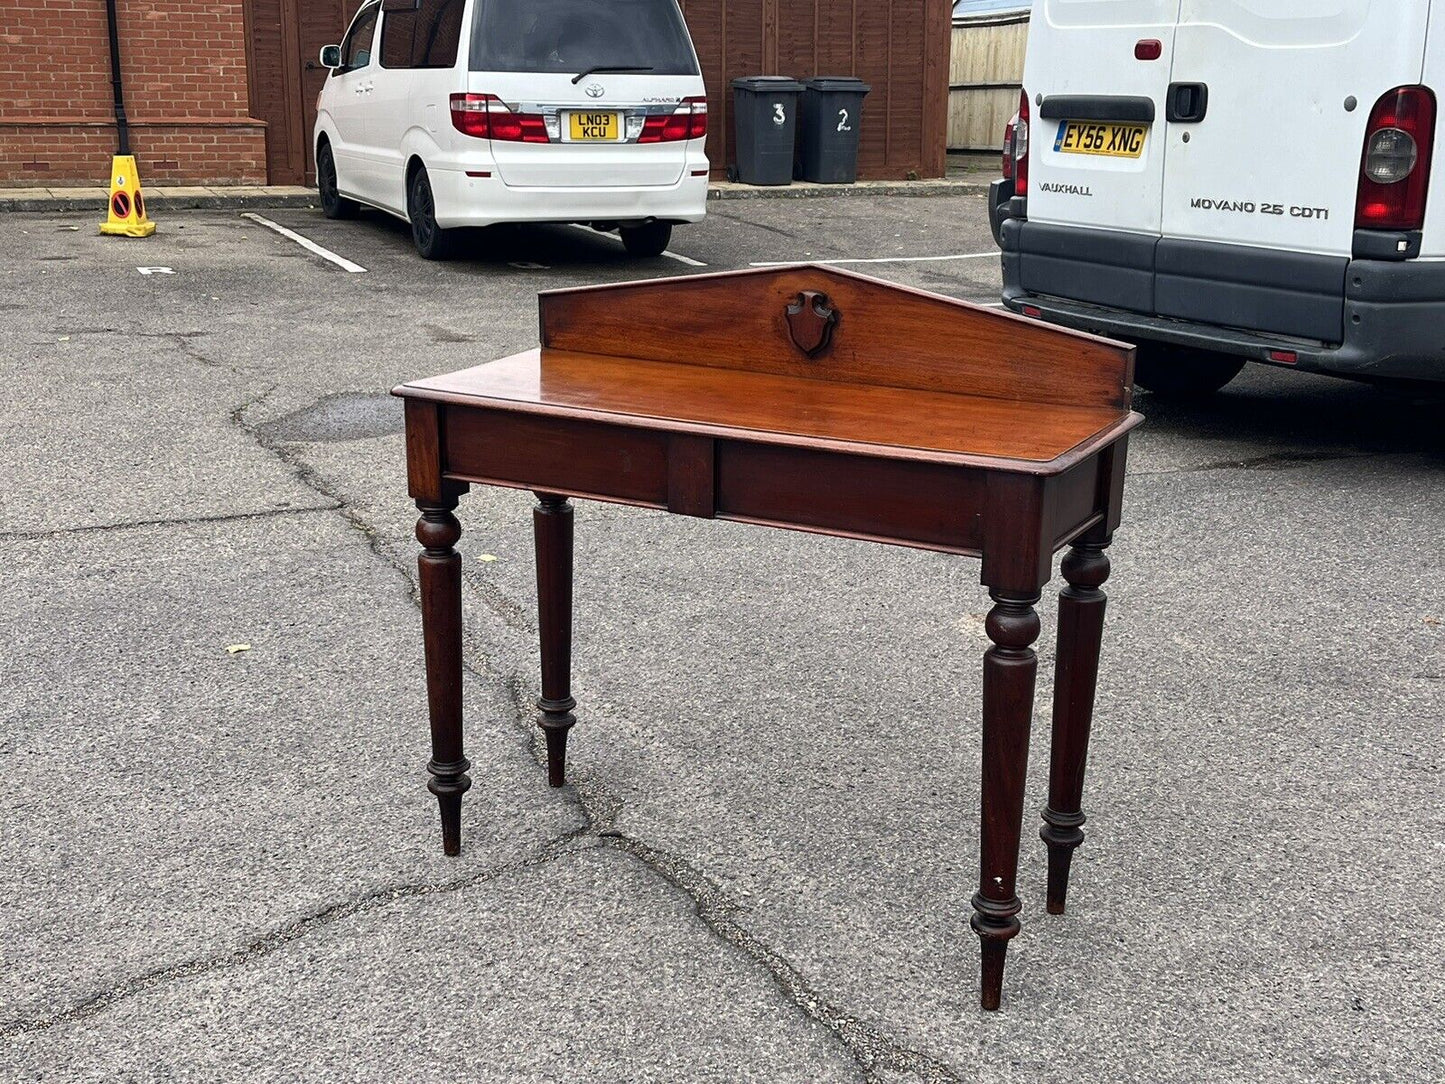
432 242
333 203
643 242
1183 371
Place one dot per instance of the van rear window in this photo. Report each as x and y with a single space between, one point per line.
571 36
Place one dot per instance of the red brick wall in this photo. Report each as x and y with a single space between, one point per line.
184 66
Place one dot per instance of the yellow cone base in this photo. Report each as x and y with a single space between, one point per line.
132 229
127 213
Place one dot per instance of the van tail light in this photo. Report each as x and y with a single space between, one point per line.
1395 164
688 121
1008 151
1021 147
485 116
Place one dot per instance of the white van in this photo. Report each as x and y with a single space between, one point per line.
1231 180
454 113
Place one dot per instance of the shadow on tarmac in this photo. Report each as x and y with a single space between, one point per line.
1303 416
546 244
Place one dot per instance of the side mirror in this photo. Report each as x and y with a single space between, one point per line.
331 56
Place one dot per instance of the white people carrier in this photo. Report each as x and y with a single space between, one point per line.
453 113
1222 180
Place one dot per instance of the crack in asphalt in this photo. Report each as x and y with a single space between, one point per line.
867 1046
511 614
754 225
284 935
180 339
1272 461
188 521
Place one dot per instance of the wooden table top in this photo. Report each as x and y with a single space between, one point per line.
815 357
784 409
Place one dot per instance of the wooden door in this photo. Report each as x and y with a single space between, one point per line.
283 40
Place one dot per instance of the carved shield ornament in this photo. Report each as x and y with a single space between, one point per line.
811 320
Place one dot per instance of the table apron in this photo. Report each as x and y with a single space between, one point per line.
936 506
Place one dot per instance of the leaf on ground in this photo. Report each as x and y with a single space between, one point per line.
486 558
236 649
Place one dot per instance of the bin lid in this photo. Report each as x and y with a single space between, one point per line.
768 84
828 83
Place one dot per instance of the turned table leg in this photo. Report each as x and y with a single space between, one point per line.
440 569
1008 703
552 531
1081 628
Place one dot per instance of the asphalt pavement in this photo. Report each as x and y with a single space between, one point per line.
221 862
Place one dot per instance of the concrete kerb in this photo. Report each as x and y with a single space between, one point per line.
213 198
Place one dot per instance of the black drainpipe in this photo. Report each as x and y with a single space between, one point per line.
122 126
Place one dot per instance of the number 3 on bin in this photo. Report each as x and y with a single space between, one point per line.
780 116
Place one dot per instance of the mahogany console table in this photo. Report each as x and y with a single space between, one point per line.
813 399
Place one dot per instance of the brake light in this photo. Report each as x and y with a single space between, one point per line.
688 121
1008 151
485 116
698 128
1395 164
1021 147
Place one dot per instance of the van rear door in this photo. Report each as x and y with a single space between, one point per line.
1260 182
1275 160
1096 155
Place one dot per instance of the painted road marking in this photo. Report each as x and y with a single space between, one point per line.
671 255
883 259
680 258
306 243
156 270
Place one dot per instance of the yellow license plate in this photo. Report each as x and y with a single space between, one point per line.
593 127
1095 137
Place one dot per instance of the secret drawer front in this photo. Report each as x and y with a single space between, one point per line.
562 455
924 504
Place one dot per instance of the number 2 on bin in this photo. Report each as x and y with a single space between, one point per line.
843 121
780 117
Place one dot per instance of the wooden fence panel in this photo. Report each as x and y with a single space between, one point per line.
899 47
986 69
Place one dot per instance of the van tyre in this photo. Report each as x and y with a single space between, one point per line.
644 242
1182 371
333 203
432 242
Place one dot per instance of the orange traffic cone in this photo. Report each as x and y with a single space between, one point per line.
127 216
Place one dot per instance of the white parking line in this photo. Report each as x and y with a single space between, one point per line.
883 259
306 243
678 256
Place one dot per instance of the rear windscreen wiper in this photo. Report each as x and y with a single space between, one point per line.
603 68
